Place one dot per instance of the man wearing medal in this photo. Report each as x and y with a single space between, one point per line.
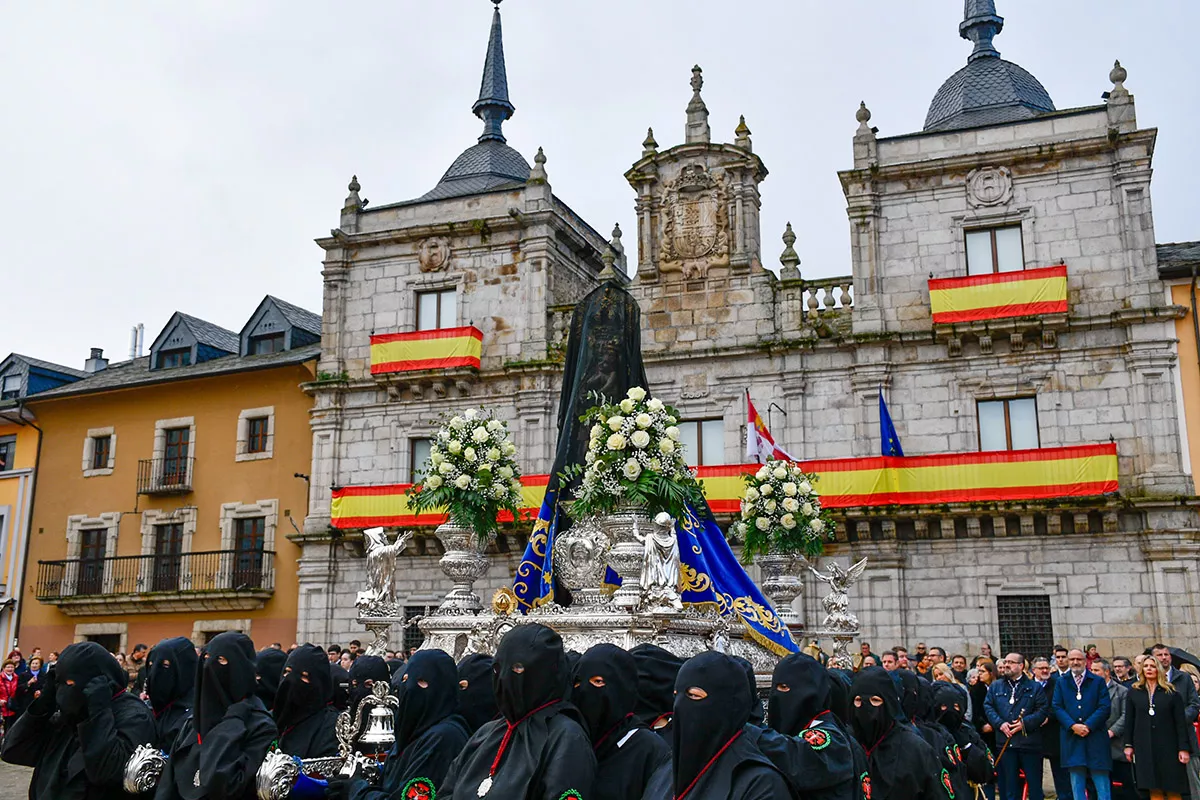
1016 706
1081 704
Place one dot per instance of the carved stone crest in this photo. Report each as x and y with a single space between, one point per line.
433 253
695 222
989 186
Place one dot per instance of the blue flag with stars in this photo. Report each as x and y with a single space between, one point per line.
888 438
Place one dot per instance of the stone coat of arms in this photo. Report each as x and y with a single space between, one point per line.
695 222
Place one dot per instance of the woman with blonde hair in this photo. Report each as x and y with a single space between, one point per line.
944 673
1157 740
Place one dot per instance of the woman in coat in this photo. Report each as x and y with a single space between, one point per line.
1157 740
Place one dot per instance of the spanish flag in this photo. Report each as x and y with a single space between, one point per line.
439 349
1027 293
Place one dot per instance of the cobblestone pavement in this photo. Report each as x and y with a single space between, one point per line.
14 782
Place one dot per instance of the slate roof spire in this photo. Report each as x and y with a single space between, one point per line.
980 25
493 105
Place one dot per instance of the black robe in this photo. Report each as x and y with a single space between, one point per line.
268 670
477 698
170 683
901 764
917 704
81 756
1157 740
627 760
742 773
303 714
971 751
168 724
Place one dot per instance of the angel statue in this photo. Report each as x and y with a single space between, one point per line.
380 593
660 566
837 602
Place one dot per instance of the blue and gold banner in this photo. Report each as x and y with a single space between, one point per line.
710 575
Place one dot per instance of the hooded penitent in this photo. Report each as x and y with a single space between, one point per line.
539 749
605 692
872 720
902 765
657 670
971 751
755 714
225 676
268 667
341 687
302 711
430 695
365 672
81 664
170 681
712 758
800 692
476 697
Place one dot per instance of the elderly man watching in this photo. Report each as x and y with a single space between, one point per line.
1082 705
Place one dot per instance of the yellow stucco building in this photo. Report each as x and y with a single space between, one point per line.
1179 265
168 485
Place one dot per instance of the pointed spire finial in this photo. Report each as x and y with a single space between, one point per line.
742 134
980 25
649 147
493 105
789 258
697 113
538 173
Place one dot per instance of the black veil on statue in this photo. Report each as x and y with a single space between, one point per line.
604 356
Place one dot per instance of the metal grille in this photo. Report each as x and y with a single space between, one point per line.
1025 623
412 634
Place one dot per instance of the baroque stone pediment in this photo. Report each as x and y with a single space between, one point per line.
695 222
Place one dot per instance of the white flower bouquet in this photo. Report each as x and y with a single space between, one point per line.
471 473
781 512
634 457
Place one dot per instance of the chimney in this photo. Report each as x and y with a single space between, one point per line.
96 361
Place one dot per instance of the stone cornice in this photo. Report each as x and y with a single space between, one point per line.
641 171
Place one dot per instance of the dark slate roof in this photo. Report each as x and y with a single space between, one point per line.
484 167
129 374
299 317
48 366
210 334
987 91
1178 259
493 88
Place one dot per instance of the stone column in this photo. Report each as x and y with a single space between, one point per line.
1157 453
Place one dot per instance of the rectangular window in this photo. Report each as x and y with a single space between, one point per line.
10 387
437 310
101 448
703 441
269 343
168 556
175 358
418 454
1025 624
8 453
413 638
175 456
256 434
995 250
91 560
248 533
1008 424
109 641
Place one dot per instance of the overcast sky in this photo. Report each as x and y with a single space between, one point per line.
183 156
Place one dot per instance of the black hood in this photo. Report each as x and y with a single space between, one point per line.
754 714
305 689
218 686
81 663
948 695
430 695
702 727
605 707
800 690
656 672
268 667
171 673
477 699
839 693
910 693
365 672
541 675
341 686
871 723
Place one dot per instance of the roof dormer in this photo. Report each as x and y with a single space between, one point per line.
277 325
189 340
21 376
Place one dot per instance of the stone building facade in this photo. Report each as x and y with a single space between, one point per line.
996 164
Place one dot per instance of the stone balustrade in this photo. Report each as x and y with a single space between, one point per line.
805 305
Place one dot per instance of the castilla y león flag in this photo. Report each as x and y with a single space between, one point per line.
760 445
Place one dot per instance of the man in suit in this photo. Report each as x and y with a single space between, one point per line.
1016 707
1082 705
1122 775
1051 747
1123 671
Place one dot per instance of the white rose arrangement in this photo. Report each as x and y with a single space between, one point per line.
634 457
781 512
471 473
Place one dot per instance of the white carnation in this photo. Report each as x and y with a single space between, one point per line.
615 422
433 482
632 469
443 435
469 454
506 472
597 431
640 439
455 446
673 433
789 489
462 481
787 521
780 473
762 523
616 442
655 405
446 468
590 457
626 406
480 435
790 504
636 393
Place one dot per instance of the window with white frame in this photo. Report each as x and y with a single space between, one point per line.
1009 424
91 544
255 434
10 387
167 545
992 250
8 453
437 309
99 452
418 454
174 444
248 544
703 441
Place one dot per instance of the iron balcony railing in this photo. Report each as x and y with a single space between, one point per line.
172 475
206 572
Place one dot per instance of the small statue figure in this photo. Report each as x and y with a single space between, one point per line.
837 602
380 593
660 566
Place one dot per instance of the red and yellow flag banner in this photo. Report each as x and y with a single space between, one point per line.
421 350
1027 293
1058 472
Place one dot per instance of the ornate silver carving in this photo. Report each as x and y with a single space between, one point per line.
379 598
581 559
659 580
840 624
781 583
625 557
433 253
695 222
464 563
989 186
143 769
276 776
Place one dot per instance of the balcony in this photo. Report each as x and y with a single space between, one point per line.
162 476
217 580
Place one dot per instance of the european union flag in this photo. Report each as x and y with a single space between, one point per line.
888 438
